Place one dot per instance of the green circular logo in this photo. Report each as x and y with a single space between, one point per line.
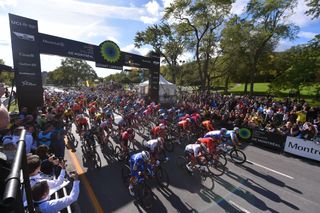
110 51
245 133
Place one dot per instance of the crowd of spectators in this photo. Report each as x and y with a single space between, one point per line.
291 117
45 150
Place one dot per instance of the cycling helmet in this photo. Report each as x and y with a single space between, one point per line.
160 140
145 155
236 129
130 130
189 120
162 126
223 131
161 117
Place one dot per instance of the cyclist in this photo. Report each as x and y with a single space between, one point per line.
211 146
232 135
138 164
207 125
217 135
155 147
194 152
158 131
81 123
68 114
125 137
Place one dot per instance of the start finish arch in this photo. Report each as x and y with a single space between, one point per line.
28 44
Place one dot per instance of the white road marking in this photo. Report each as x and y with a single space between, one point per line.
279 173
239 207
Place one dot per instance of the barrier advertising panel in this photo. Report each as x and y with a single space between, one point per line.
303 148
268 139
26 60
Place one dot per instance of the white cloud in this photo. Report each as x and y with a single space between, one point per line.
7 3
299 17
148 20
132 49
308 35
284 45
239 7
153 8
166 3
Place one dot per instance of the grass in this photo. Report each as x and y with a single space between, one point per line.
308 93
264 87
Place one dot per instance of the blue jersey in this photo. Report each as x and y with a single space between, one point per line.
215 134
137 163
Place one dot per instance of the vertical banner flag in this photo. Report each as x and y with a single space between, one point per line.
26 60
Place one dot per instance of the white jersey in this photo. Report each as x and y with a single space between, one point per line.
193 148
152 144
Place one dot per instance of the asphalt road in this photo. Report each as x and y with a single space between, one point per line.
268 182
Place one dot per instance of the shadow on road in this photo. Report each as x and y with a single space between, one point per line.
270 179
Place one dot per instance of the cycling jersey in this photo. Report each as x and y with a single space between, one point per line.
216 135
183 124
209 143
152 144
137 164
208 125
195 149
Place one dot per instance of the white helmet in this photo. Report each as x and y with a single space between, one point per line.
145 155
160 140
236 129
162 126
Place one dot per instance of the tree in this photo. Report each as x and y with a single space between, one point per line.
71 72
314 8
198 23
165 41
303 67
267 28
6 77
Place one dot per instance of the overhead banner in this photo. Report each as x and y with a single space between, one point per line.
268 139
108 55
303 148
26 60
65 47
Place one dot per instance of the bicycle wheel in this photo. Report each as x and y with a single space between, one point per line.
117 153
125 175
145 195
223 159
162 177
140 128
97 160
216 168
238 156
168 145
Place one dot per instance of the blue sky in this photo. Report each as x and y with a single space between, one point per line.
118 20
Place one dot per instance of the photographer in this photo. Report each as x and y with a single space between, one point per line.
41 198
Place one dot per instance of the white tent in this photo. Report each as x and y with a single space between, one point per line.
166 88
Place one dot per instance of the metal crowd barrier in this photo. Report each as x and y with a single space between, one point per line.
12 197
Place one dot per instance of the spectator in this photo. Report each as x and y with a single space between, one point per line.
4 117
295 131
40 194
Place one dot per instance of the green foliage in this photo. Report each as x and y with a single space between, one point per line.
199 22
303 67
165 41
71 73
133 76
314 8
6 77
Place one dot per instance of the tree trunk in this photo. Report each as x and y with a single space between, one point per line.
226 84
246 87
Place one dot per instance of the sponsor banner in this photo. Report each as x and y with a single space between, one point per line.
154 72
53 45
268 139
303 148
26 60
